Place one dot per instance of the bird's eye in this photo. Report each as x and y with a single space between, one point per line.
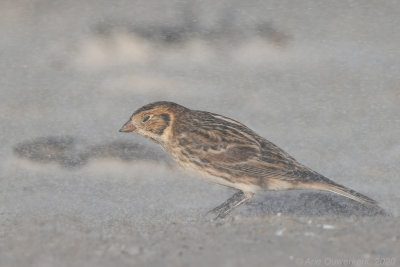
146 118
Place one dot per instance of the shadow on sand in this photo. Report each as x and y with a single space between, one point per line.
306 203
71 152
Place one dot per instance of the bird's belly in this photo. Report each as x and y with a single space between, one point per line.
245 187
211 175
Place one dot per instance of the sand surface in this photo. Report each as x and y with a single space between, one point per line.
319 79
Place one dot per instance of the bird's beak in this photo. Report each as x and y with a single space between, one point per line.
128 127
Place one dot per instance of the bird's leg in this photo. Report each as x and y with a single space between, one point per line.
225 208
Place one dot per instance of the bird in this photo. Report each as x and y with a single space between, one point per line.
227 152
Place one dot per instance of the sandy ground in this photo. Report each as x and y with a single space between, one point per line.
319 79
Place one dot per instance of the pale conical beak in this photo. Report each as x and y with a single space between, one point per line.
128 127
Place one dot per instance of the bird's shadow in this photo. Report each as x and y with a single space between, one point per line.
310 204
71 152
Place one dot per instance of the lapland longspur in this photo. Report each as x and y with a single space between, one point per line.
228 152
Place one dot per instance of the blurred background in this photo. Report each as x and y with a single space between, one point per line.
318 78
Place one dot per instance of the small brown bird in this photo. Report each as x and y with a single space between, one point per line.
228 152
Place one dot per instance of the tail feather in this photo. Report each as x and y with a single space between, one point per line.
344 191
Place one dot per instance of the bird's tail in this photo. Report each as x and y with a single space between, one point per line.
341 190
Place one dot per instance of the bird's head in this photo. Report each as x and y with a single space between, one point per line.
153 121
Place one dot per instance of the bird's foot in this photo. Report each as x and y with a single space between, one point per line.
229 205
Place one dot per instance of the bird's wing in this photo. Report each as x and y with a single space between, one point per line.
231 149
237 153
219 145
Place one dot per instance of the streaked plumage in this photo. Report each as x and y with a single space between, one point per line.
228 152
